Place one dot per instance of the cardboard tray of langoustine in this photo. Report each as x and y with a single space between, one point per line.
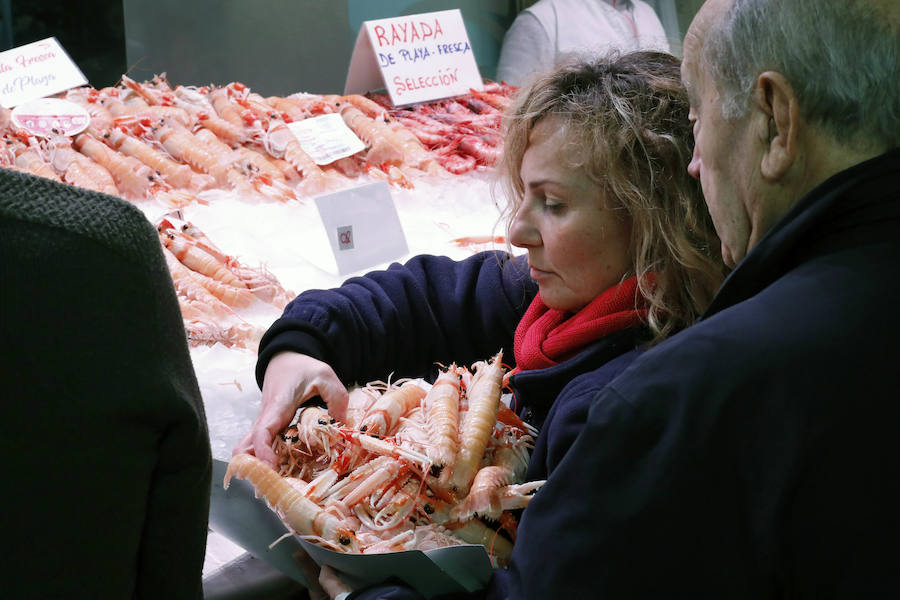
246 520
386 494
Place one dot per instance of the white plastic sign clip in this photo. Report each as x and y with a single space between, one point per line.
36 70
51 116
362 226
417 58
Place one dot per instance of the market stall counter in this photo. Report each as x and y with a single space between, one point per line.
237 201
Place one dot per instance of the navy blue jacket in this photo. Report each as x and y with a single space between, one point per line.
432 310
755 454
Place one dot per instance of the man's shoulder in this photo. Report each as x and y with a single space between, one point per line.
799 335
105 219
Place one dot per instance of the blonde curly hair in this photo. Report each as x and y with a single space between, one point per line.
627 117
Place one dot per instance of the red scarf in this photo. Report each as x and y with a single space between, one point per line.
546 336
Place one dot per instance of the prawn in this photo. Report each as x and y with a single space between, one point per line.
384 416
31 161
79 170
383 148
187 285
442 404
193 257
299 512
184 146
484 402
175 173
132 177
493 489
482 151
371 108
280 142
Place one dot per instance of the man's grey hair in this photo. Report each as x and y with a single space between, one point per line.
842 58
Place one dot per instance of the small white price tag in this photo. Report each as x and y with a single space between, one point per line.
417 58
326 138
36 70
362 226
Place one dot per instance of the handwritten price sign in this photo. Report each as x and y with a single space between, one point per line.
36 70
417 58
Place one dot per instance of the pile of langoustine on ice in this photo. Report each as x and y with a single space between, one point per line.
213 288
154 141
411 468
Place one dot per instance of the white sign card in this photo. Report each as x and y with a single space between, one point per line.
417 58
36 70
326 138
362 226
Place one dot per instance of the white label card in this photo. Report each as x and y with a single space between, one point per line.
326 138
362 226
417 58
36 70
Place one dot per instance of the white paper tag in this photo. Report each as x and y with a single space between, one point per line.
419 57
36 70
362 226
326 138
51 116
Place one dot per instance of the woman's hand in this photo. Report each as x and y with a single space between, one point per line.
290 380
324 583
332 583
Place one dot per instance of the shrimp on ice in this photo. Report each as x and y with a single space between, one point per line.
184 146
280 142
133 178
175 173
195 258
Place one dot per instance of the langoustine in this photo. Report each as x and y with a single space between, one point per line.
213 287
378 474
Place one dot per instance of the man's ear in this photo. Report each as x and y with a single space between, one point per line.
775 97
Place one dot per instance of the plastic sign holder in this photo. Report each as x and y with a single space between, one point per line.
362 226
417 58
36 70
51 116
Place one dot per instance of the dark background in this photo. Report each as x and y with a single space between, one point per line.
91 31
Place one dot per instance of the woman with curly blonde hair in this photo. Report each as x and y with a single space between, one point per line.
620 125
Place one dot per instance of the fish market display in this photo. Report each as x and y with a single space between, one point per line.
166 147
150 141
413 467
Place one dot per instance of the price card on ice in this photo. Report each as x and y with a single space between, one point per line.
417 58
36 70
326 138
362 226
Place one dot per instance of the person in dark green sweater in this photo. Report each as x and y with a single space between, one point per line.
103 434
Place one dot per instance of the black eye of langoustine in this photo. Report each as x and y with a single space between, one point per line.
344 540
